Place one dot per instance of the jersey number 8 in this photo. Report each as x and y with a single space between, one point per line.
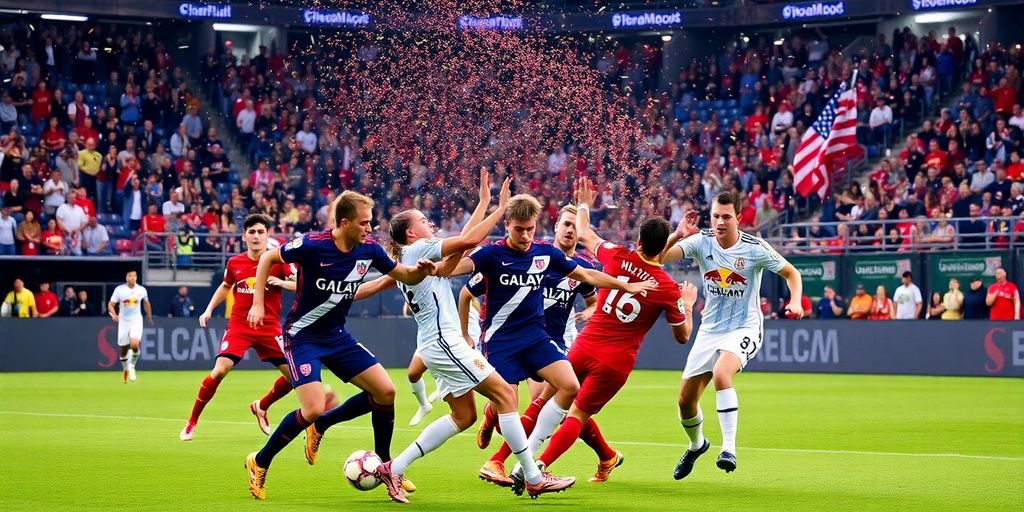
625 301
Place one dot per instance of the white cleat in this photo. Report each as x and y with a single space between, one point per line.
261 417
421 413
131 374
186 433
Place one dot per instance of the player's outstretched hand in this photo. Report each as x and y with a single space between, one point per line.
426 265
584 316
114 317
796 311
505 195
689 224
644 286
274 281
688 292
484 193
205 317
584 193
255 316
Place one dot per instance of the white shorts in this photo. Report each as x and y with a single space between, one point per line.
128 330
744 342
455 366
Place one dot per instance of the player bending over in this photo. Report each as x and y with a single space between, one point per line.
129 299
239 278
731 326
515 340
605 351
331 265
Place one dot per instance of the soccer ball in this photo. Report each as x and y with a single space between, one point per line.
361 470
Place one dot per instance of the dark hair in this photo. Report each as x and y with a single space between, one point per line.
727 198
654 233
398 226
907 274
256 218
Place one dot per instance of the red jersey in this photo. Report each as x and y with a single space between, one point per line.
240 275
1002 308
614 334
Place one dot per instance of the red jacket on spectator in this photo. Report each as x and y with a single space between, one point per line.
87 206
46 302
938 159
40 105
53 140
1004 98
153 223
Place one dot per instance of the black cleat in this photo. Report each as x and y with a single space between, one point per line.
727 462
685 464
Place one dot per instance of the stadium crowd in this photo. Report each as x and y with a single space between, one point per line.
104 142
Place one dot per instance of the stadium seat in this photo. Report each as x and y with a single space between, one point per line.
123 247
31 140
718 104
729 103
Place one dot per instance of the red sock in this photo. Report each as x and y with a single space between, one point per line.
591 435
206 392
529 419
563 439
282 387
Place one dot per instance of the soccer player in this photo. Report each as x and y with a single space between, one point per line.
605 351
458 368
239 277
129 298
515 340
560 320
331 266
731 326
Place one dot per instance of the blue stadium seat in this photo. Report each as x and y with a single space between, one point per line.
31 140
90 98
703 105
704 115
735 112
730 103
700 162
718 104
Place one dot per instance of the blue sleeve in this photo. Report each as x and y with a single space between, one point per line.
381 261
477 285
482 259
560 263
297 251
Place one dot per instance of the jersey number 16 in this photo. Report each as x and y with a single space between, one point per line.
626 300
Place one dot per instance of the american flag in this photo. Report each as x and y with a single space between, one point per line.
834 133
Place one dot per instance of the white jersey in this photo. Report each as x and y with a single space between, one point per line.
432 302
129 301
731 278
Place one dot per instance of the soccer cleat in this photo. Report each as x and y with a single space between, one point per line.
186 433
494 472
685 464
261 417
518 477
124 376
131 374
421 412
393 483
257 477
605 467
484 433
312 443
433 396
549 484
408 486
727 462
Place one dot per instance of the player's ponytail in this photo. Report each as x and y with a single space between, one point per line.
396 233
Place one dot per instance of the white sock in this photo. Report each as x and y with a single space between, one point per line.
419 390
439 431
693 427
515 436
728 416
133 357
547 421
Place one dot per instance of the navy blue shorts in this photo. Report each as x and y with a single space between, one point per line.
344 357
517 361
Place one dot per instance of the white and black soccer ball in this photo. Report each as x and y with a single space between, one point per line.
361 470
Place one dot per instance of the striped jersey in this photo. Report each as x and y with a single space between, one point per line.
327 281
431 301
731 279
514 281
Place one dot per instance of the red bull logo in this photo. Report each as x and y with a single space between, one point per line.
724 277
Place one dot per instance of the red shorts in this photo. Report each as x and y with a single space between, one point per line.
598 382
234 345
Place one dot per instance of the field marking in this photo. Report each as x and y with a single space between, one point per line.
628 443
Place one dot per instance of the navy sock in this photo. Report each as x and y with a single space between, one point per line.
356 406
292 424
382 418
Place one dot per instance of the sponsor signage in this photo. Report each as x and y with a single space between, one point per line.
335 18
813 10
817 273
963 266
872 271
205 11
924 5
491 23
630 20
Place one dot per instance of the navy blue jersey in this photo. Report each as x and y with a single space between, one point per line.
514 283
327 281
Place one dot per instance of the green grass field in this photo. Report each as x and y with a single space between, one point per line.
84 441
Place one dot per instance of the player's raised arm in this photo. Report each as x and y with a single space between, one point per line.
414 275
483 201
374 287
267 261
602 280
583 316
681 332
686 228
476 234
583 193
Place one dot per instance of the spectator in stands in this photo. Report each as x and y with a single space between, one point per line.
907 298
52 239
133 201
68 303
8 231
77 110
953 301
89 164
46 301
1003 298
95 240
83 306
831 305
880 122
982 176
54 192
218 163
153 221
21 301
29 234
8 114
173 206
70 220
180 142
972 232
53 138
41 97
193 124
860 304
181 305
881 306
975 303
67 165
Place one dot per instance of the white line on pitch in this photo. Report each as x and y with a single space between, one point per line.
629 443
